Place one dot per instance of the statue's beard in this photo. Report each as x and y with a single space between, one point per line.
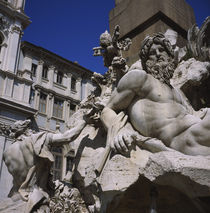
163 71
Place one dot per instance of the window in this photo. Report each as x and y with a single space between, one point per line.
69 164
58 163
44 72
72 109
73 84
58 108
1 41
59 77
33 69
42 103
31 99
70 160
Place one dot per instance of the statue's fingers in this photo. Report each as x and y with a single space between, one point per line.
122 144
119 117
138 138
128 141
117 146
124 120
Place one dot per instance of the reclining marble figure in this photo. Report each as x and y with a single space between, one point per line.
154 107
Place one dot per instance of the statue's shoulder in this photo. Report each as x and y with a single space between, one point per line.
135 74
133 78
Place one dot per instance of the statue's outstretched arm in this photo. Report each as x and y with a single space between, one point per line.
60 139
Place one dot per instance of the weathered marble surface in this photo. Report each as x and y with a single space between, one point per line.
141 145
29 161
154 162
190 73
189 175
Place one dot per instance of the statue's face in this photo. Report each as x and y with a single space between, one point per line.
159 63
105 42
158 54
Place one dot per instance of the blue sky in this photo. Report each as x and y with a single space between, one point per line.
71 28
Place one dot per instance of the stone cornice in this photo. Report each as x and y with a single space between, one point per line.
181 14
57 60
16 29
62 96
153 19
7 72
13 13
9 104
20 78
60 86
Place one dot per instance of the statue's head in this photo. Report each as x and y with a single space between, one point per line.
105 39
19 127
157 57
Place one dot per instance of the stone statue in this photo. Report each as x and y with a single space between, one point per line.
199 42
111 49
155 108
144 106
29 160
67 199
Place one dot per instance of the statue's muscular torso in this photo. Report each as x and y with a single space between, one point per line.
154 109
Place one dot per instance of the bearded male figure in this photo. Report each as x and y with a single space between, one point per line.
156 109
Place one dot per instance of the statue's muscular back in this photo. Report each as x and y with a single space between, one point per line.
155 109
19 159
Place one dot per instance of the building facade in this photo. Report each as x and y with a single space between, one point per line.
58 87
37 84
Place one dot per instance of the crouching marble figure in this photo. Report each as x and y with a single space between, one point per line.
29 161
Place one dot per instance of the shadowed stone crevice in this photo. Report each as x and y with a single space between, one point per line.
137 199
